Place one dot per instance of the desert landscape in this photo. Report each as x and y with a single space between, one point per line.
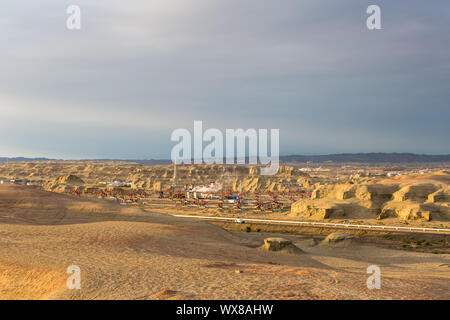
116 221
214 154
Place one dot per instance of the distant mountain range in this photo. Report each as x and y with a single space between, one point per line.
22 159
369 158
343 157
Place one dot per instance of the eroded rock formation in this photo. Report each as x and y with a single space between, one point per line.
408 199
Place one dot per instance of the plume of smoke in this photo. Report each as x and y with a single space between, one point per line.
212 188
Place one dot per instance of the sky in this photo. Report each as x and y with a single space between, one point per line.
138 70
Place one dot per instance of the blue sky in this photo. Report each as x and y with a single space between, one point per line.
137 70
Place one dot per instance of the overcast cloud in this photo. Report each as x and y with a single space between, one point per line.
137 70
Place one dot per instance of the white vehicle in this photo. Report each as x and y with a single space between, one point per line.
239 221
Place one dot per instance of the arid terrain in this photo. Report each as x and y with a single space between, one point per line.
377 194
200 150
424 197
131 253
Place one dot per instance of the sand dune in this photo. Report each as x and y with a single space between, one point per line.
128 253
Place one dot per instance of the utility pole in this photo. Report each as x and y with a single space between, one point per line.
174 174
175 170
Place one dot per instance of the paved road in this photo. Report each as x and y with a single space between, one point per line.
322 224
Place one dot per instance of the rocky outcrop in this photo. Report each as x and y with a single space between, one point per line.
417 192
317 209
405 211
63 183
337 239
413 201
280 245
442 195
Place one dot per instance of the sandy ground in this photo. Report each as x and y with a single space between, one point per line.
127 253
